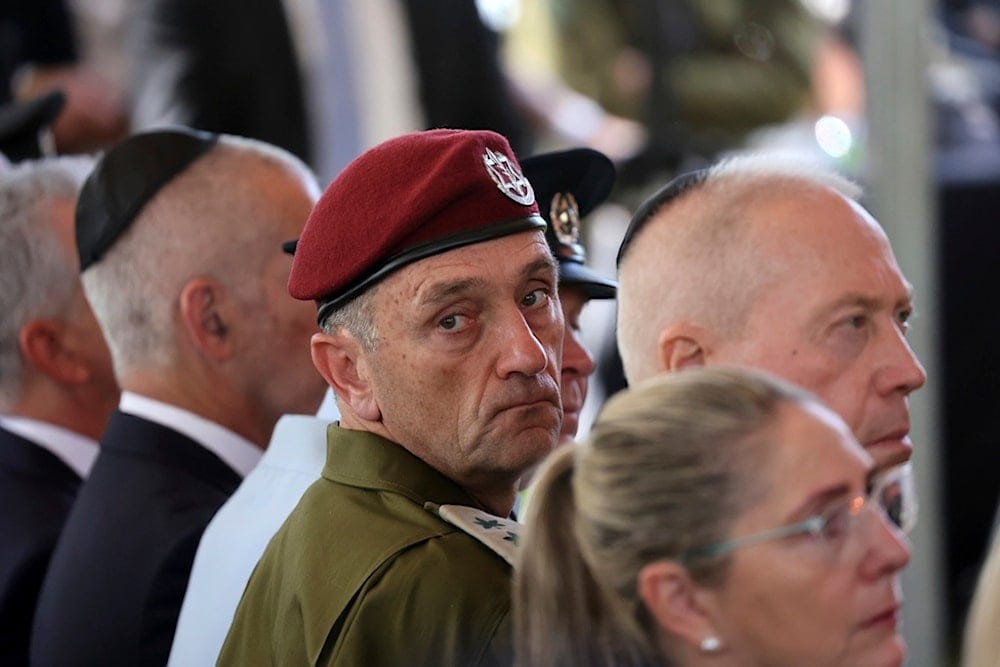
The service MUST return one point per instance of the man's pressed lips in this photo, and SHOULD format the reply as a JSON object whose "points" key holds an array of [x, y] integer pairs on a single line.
{"points": [[896, 446]]}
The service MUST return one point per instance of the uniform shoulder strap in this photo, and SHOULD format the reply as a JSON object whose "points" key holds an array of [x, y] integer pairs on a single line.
{"points": [[499, 534]]}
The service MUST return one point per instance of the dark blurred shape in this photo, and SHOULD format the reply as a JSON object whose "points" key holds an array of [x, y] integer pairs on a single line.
{"points": [[33, 32], [25, 126], [231, 66], [38, 55]]}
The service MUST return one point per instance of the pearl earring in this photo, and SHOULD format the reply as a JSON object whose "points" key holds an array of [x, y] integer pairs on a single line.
{"points": [[710, 644]]}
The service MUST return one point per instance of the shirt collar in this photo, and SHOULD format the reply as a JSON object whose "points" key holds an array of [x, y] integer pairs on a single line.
{"points": [[236, 451], [366, 460], [75, 450]]}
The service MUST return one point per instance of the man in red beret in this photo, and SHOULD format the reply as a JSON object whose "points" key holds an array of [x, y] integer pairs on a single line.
{"points": [[442, 336]]}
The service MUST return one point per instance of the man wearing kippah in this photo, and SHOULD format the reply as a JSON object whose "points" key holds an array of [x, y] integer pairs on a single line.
{"points": [[179, 234], [442, 333]]}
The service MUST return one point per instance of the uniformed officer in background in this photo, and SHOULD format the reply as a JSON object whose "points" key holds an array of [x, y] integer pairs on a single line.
{"points": [[568, 185], [442, 334]]}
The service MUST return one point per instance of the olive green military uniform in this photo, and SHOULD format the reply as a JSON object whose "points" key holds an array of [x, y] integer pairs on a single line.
{"points": [[719, 68], [362, 574]]}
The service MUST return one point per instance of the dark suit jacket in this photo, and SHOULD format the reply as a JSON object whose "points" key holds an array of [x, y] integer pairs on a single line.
{"points": [[36, 493], [117, 579], [230, 66], [221, 65]]}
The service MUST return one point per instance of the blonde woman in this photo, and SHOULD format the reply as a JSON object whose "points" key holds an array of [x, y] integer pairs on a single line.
{"points": [[982, 630], [713, 517]]}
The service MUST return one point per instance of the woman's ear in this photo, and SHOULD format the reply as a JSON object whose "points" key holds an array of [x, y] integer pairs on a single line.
{"points": [[205, 319], [676, 602], [344, 364]]}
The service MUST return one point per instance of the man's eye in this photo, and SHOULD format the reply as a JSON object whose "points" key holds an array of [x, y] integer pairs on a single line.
{"points": [[452, 322], [535, 298], [903, 319], [858, 321]]}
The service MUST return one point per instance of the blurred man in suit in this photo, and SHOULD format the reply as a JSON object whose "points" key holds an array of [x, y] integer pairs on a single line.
{"points": [[57, 388], [179, 234]]}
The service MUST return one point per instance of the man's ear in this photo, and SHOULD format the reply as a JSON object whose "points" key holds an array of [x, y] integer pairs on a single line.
{"points": [[205, 318], [42, 345], [683, 345], [343, 362], [678, 604]]}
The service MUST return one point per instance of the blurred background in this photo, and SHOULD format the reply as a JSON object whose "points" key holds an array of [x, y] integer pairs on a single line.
{"points": [[901, 95]]}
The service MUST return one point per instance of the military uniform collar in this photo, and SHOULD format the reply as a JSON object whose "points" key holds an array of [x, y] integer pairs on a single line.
{"points": [[366, 460]]}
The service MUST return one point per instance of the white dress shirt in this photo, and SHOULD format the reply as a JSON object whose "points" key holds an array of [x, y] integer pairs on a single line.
{"points": [[235, 451], [236, 537], [75, 450]]}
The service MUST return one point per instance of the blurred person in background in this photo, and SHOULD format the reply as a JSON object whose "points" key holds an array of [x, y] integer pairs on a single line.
{"points": [[40, 52], [699, 76], [981, 646], [57, 387], [179, 234], [712, 517], [568, 185], [325, 79]]}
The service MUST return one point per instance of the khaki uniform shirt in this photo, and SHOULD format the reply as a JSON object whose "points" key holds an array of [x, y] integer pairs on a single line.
{"points": [[362, 574]]}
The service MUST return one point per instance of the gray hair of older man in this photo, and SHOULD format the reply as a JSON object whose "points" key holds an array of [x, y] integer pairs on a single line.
{"points": [[38, 273]]}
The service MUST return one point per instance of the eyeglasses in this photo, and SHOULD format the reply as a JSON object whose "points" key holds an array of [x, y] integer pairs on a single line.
{"points": [[891, 492]]}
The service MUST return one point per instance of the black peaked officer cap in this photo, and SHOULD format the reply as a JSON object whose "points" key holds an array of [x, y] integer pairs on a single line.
{"points": [[126, 178], [588, 176]]}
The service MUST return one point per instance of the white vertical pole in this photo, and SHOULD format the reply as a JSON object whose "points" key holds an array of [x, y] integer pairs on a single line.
{"points": [[894, 46]]}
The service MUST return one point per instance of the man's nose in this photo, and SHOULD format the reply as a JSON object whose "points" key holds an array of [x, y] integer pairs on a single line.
{"points": [[521, 351]]}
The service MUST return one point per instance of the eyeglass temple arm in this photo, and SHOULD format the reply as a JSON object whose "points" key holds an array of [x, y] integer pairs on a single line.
{"points": [[810, 525]]}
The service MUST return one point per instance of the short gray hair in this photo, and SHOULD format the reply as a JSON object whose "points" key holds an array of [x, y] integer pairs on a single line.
{"points": [[196, 225], [688, 258], [357, 317], [38, 273]]}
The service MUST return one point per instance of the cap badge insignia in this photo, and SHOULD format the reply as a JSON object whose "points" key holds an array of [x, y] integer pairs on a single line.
{"points": [[509, 180], [565, 217]]}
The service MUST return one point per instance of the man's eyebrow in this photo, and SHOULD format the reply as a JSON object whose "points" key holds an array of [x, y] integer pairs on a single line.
{"points": [[444, 291], [542, 264], [864, 301]]}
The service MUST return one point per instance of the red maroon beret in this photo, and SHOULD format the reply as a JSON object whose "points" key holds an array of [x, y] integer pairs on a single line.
{"points": [[406, 199]]}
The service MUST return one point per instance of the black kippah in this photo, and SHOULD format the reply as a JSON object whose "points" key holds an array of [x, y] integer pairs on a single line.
{"points": [[127, 177], [668, 193]]}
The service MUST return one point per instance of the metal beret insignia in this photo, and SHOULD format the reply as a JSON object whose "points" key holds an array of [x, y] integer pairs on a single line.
{"points": [[509, 180]]}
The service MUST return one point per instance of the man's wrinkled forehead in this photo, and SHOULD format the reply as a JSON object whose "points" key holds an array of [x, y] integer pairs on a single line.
{"points": [[441, 276]]}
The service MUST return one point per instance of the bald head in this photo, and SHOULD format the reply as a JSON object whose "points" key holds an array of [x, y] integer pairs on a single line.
{"points": [[760, 264], [696, 251]]}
